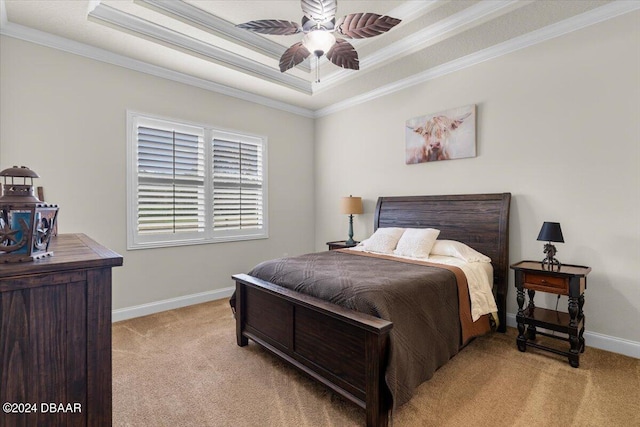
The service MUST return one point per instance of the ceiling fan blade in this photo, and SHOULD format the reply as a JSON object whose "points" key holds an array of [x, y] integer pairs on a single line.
{"points": [[293, 56], [319, 10], [344, 55], [364, 25], [274, 27]]}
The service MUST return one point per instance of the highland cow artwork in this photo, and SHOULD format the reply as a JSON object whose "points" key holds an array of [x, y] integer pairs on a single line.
{"points": [[445, 135]]}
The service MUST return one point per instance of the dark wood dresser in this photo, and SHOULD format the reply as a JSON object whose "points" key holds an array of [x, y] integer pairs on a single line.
{"points": [[55, 336]]}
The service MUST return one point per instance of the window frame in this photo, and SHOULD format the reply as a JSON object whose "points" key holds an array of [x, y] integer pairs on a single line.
{"points": [[136, 240]]}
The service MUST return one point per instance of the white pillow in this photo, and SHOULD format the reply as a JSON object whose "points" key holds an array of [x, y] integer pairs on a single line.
{"points": [[417, 242], [384, 240], [459, 250]]}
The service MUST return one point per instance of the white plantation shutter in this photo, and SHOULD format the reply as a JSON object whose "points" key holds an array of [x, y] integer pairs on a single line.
{"points": [[237, 185], [170, 181], [178, 195]]}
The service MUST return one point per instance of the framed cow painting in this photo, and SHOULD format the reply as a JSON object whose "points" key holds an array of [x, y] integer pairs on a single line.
{"points": [[446, 135]]}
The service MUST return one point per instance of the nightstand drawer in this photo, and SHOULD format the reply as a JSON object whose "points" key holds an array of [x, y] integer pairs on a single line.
{"points": [[543, 282]]}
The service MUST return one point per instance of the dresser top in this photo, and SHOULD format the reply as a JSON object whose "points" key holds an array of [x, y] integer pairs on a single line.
{"points": [[70, 252]]}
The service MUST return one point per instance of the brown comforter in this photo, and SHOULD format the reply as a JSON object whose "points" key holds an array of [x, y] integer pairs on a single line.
{"points": [[421, 300]]}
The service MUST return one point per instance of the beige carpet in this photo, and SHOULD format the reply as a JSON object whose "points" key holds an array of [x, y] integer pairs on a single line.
{"points": [[183, 368]]}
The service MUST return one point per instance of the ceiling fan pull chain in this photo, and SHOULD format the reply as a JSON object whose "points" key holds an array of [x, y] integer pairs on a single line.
{"points": [[317, 69]]}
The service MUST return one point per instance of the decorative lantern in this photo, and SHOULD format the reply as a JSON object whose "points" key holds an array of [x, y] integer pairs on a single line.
{"points": [[26, 223]]}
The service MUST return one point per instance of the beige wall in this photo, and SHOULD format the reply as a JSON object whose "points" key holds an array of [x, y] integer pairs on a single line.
{"points": [[64, 116], [557, 126]]}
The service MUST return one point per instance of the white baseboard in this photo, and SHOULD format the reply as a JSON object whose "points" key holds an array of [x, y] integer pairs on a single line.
{"points": [[601, 341], [594, 339], [169, 304]]}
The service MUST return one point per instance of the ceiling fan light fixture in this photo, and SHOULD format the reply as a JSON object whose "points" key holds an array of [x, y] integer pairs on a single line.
{"points": [[318, 41]]}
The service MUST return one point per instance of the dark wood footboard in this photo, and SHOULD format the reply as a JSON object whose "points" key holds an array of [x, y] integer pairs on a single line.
{"points": [[342, 349]]}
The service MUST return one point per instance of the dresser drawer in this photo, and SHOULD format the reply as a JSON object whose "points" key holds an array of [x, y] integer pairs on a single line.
{"points": [[543, 282]]}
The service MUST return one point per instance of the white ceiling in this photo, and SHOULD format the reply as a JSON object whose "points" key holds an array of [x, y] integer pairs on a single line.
{"points": [[196, 41]]}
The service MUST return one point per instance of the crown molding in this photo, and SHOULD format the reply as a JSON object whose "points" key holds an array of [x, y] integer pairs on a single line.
{"points": [[192, 15], [178, 9], [186, 12], [105, 14], [410, 10], [600, 14], [603, 13], [220, 27], [70, 46], [418, 40]]}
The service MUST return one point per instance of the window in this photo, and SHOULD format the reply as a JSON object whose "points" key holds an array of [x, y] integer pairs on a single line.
{"points": [[191, 184]]}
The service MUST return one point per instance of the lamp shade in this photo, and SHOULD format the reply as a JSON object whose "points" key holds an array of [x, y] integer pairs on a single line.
{"points": [[551, 232], [351, 205]]}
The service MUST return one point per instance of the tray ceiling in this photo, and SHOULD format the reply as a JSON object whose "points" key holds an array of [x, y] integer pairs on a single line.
{"points": [[196, 41]]}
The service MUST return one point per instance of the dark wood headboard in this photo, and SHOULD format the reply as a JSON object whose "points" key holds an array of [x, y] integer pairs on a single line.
{"points": [[478, 220]]}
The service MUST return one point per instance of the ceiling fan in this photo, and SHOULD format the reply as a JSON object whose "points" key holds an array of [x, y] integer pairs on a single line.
{"points": [[319, 25]]}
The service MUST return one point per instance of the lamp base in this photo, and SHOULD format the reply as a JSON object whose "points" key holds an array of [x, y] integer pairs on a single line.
{"points": [[550, 262], [350, 240]]}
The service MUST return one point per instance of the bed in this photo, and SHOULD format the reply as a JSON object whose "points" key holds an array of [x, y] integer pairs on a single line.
{"points": [[347, 350]]}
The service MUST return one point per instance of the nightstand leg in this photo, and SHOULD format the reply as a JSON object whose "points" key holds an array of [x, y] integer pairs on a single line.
{"points": [[574, 338], [531, 333], [531, 329], [521, 341], [532, 295], [584, 321], [574, 357], [580, 305], [573, 311], [520, 299]]}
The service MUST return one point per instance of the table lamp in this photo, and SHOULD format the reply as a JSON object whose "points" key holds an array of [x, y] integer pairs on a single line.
{"points": [[550, 232], [351, 206]]}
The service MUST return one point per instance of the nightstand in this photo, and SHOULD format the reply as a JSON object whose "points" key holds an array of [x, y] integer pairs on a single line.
{"points": [[340, 244], [569, 280]]}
